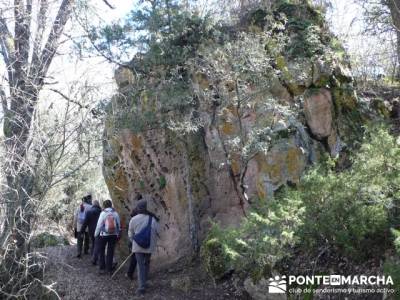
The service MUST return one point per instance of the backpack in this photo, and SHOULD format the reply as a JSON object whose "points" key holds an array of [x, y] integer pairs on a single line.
{"points": [[81, 215], [143, 237], [110, 225]]}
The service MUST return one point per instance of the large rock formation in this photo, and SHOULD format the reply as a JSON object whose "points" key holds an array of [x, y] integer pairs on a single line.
{"points": [[253, 109]]}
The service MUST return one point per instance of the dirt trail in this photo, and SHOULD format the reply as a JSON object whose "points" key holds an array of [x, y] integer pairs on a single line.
{"points": [[79, 279]]}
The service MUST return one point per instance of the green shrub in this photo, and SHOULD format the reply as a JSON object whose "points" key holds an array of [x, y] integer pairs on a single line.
{"points": [[304, 23], [264, 238], [396, 234], [217, 257], [45, 239], [351, 212], [391, 267], [162, 182]]}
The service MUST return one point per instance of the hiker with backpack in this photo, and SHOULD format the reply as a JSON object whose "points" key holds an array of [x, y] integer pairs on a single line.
{"points": [[143, 231], [82, 236], [92, 216], [107, 230]]}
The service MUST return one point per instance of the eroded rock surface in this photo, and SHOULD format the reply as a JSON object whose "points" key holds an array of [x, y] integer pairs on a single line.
{"points": [[229, 136], [318, 109]]}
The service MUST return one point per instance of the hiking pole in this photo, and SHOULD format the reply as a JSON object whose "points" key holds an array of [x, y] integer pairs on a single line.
{"points": [[119, 268]]}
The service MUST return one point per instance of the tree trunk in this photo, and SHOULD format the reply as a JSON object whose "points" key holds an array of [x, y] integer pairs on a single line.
{"points": [[394, 6], [397, 71], [27, 64], [18, 173]]}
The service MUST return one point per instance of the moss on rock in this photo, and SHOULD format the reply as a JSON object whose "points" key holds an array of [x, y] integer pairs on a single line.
{"points": [[205, 127]]}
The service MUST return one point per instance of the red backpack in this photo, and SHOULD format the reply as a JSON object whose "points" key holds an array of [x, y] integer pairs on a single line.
{"points": [[110, 225]]}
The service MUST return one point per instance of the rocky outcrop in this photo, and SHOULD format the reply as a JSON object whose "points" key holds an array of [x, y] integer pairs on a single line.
{"points": [[245, 121], [318, 109]]}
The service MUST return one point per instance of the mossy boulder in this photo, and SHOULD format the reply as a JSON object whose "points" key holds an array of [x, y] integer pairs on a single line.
{"points": [[211, 130]]}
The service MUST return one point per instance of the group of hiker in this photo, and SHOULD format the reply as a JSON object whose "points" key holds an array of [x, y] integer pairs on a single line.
{"points": [[100, 228]]}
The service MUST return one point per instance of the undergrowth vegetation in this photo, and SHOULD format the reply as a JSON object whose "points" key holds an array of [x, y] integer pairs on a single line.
{"points": [[351, 212]]}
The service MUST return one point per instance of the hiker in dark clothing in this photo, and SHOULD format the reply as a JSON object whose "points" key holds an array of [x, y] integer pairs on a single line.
{"points": [[82, 236], [144, 219], [92, 216]]}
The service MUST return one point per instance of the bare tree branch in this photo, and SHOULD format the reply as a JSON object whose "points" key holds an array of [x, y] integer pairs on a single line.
{"points": [[51, 45], [5, 36], [41, 24], [21, 36], [108, 4], [68, 98], [7, 48]]}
